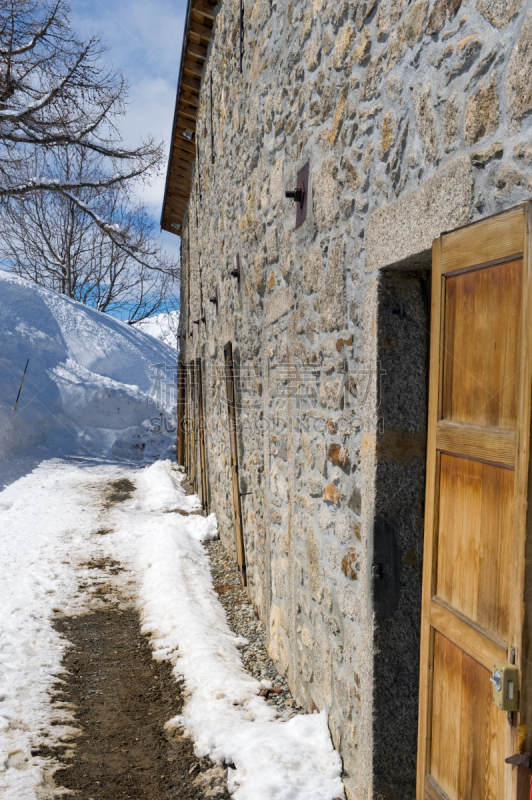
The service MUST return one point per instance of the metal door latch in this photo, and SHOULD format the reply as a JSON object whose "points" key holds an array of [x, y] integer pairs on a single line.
{"points": [[505, 680], [520, 760]]}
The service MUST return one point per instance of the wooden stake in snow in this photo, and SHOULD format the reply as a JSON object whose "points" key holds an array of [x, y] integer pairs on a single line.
{"points": [[21, 382]]}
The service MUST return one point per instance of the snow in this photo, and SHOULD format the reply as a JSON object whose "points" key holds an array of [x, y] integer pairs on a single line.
{"points": [[273, 759], [162, 326], [49, 518], [82, 421], [88, 383], [45, 540]]}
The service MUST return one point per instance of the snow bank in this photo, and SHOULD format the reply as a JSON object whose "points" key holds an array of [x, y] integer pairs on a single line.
{"points": [[162, 327], [88, 382], [273, 759]]}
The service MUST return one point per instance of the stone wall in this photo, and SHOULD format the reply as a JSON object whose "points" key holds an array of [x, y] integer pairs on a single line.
{"points": [[415, 118]]}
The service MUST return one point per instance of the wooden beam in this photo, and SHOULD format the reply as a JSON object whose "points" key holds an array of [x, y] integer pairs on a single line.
{"points": [[178, 201], [185, 123], [188, 99], [185, 146], [191, 83], [205, 8], [178, 174], [197, 29], [179, 152], [177, 211], [195, 68], [188, 114], [196, 49], [186, 170], [181, 177], [201, 18]]}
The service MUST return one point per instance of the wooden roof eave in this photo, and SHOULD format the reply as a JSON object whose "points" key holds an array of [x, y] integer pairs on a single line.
{"points": [[199, 21]]}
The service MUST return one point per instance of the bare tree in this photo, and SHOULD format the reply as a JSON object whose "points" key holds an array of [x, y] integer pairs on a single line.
{"points": [[51, 241], [56, 95]]}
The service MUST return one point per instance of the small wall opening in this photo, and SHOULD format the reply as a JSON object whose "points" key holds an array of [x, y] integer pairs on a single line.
{"points": [[403, 333]]}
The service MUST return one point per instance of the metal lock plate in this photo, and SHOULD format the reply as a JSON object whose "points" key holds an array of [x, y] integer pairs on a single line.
{"points": [[302, 183], [505, 681], [300, 194]]}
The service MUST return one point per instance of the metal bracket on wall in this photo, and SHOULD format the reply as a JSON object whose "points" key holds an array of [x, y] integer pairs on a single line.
{"points": [[214, 299], [236, 271], [300, 194]]}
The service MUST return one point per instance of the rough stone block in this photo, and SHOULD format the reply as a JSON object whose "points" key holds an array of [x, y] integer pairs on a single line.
{"points": [[407, 228], [338, 454], [499, 12], [277, 305], [482, 157], [482, 112], [334, 305], [387, 134], [313, 269], [342, 44], [441, 11], [519, 75], [426, 123], [351, 564], [331, 494], [276, 183], [323, 196]]}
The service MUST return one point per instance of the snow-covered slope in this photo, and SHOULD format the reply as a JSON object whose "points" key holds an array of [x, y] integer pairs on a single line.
{"points": [[89, 378], [162, 326]]}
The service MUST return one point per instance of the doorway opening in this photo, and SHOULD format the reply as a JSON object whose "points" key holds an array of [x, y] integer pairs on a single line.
{"points": [[403, 338]]}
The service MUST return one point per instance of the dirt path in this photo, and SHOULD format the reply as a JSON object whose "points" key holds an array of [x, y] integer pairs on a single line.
{"points": [[122, 699]]}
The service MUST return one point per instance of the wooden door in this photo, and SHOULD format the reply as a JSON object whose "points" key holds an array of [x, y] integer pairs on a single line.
{"points": [[192, 476], [181, 413], [473, 611], [201, 436], [233, 444]]}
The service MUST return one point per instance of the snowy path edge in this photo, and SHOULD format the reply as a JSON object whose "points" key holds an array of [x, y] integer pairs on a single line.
{"points": [[272, 758]]}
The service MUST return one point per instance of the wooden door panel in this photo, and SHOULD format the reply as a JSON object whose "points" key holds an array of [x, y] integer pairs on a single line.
{"points": [[475, 607], [482, 345], [468, 737], [474, 540], [488, 240]]}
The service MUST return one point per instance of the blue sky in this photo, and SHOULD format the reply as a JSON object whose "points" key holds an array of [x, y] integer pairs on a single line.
{"points": [[144, 42]]}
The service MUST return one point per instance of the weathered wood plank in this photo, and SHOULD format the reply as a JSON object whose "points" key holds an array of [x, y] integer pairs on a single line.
{"points": [[496, 445], [497, 237], [433, 791], [431, 517], [470, 637]]}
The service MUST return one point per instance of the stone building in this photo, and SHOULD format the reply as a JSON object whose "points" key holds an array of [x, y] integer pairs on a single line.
{"points": [[399, 120]]}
